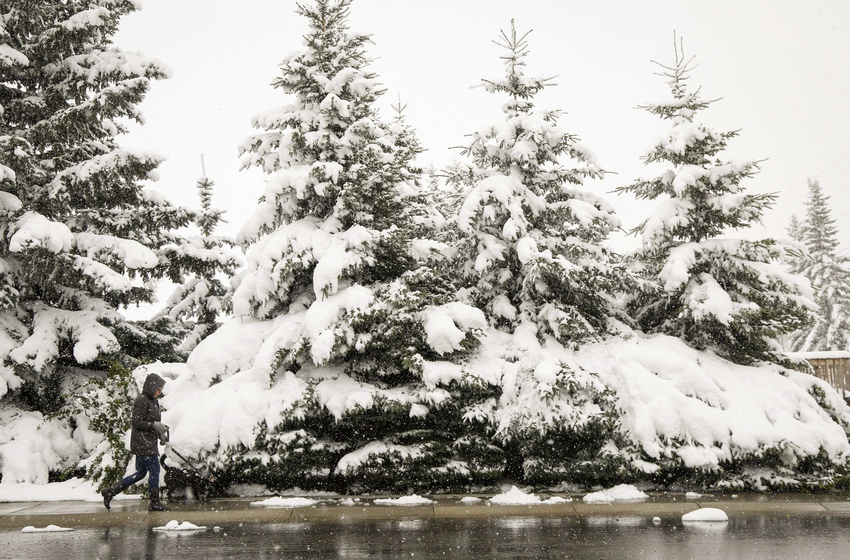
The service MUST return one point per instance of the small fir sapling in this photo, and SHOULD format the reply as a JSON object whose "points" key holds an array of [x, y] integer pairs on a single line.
{"points": [[104, 406], [199, 263]]}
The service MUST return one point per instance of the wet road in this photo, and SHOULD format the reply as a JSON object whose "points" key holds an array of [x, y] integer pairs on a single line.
{"points": [[750, 537]]}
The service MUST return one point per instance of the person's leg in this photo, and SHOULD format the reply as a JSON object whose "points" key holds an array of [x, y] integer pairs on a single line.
{"points": [[109, 493], [152, 464], [141, 471]]}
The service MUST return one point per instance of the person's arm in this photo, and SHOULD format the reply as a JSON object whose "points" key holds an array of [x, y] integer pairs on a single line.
{"points": [[142, 419]]}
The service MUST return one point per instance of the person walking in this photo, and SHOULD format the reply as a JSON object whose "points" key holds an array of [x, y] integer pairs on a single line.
{"points": [[146, 430]]}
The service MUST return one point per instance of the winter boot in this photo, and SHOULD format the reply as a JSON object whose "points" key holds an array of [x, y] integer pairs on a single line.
{"points": [[110, 493], [155, 504]]}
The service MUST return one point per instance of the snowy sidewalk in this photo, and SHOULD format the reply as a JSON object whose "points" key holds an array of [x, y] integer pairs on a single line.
{"points": [[232, 510]]}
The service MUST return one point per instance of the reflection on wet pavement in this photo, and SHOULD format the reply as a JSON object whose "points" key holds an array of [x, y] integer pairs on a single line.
{"points": [[751, 537]]}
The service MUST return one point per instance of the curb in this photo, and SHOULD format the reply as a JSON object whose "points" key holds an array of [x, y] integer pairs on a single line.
{"points": [[86, 514]]}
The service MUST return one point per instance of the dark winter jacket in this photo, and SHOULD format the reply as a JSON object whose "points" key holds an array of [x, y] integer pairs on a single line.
{"points": [[143, 437]]}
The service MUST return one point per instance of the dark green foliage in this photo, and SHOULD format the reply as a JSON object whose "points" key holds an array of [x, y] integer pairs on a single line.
{"points": [[43, 393]]}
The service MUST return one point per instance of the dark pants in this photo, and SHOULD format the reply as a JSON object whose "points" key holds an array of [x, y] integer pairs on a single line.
{"points": [[145, 464]]}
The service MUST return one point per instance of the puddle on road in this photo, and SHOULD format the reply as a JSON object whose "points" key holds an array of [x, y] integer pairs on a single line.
{"points": [[751, 537]]}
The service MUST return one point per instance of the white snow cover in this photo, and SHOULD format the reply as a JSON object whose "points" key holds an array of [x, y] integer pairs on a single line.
{"points": [[175, 525], [354, 459], [676, 401], [74, 489], [279, 502], [8, 202], [834, 355], [87, 18], [48, 529], [131, 254], [446, 325], [719, 410], [706, 514], [412, 500], [9, 56], [516, 497], [30, 447], [621, 492], [36, 231], [82, 328]]}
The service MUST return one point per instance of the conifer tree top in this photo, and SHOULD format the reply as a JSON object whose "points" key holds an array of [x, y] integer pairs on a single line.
{"points": [[706, 197], [818, 231], [515, 83]]}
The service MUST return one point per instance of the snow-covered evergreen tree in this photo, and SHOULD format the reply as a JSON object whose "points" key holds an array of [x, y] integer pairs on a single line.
{"points": [[426, 220], [795, 229], [796, 255], [530, 255], [724, 293], [829, 275], [202, 297], [79, 234], [532, 233], [361, 332]]}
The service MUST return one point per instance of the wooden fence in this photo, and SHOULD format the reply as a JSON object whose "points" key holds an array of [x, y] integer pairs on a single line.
{"points": [[835, 371]]}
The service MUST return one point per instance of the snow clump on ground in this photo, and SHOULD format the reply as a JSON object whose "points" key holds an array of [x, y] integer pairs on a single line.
{"points": [[279, 502], [48, 529], [412, 500], [175, 525], [619, 493], [516, 497], [706, 514]]}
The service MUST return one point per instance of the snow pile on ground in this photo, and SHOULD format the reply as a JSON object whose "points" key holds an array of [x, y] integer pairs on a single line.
{"points": [[71, 489], [516, 497], [175, 525], [31, 446], [412, 500], [621, 492], [48, 529], [279, 502], [706, 514], [349, 502], [470, 500], [692, 495], [678, 402]]}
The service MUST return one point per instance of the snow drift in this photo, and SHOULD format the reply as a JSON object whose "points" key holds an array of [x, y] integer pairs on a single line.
{"points": [[677, 406]]}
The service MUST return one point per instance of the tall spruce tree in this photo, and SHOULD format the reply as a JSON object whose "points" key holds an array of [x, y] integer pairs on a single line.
{"points": [[531, 247], [363, 328], [829, 275], [530, 255], [723, 293], [201, 261], [79, 234]]}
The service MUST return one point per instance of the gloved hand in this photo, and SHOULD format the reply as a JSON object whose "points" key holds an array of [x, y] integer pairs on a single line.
{"points": [[160, 428]]}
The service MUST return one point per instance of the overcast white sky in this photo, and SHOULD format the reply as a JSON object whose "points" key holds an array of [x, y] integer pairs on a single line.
{"points": [[781, 67]]}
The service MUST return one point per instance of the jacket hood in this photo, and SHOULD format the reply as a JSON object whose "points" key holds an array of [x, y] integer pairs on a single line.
{"points": [[153, 383]]}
